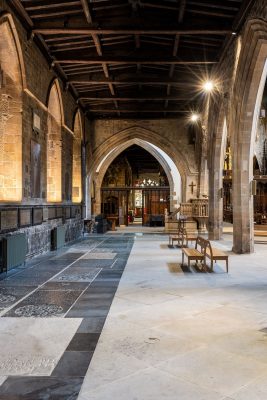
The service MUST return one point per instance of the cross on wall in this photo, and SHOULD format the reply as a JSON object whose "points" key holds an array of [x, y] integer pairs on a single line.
{"points": [[192, 185]]}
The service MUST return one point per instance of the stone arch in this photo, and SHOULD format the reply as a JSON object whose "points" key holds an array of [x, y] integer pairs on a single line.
{"points": [[98, 172], [77, 159], [12, 76], [8, 19], [248, 89], [218, 129], [54, 144], [139, 132]]}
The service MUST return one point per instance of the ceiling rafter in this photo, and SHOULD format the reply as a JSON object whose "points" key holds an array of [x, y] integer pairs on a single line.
{"points": [[133, 58], [175, 47], [131, 31], [96, 40]]}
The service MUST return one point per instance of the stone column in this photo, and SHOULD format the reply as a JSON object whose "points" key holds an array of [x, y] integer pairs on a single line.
{"points": [[97, 204], [215, 222], [243, 214]]}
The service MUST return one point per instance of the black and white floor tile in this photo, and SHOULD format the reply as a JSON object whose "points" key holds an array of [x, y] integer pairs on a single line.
{"points": [[59, 302]]}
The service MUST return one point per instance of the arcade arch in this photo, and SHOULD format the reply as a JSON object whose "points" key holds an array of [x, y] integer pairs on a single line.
{"points": [[250, 80], [76, 160], [97, 174], [54, 145], [12, 81]]}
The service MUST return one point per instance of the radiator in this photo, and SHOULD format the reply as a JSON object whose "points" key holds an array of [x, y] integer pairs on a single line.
{"points": [[14, 250], [58, 237]]}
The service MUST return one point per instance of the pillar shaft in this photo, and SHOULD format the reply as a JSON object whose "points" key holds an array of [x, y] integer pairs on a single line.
{"points": [[215, 223]]}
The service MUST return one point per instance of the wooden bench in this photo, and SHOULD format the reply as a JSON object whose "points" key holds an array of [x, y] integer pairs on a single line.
{"points": [[202, 251], [195, 254], [177, 237], [188, 237], [214, 255]]}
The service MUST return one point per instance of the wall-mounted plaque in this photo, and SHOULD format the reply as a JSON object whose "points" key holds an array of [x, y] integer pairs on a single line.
{"points": [[45, 214], [25, 217], [52, 213], [75, 212], [9, 220], [36, 122], [59, 212], [67, 212], [37, 216], [35, 169]]}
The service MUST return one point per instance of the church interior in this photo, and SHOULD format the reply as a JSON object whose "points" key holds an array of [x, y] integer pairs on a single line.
{"points": [[133, 199]]}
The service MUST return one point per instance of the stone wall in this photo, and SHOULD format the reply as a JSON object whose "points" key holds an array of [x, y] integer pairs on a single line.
{"points": [[36, 79], [39, 237]]}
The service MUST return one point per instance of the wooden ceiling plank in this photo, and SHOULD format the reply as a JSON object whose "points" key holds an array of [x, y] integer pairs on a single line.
{"points": [[175, 47], [70, 43], [132, 81], [209, 4], [49, 6], [126, 60], [65, 38], [141, 110], [208, 12], [21, 10], [134, 98], [56, 14], [131, 31], [75, 48], [87, 11]]}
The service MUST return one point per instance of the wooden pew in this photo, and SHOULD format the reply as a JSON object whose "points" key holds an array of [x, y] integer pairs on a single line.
{"points": [[195, 254], [214, 255], [177, 237]]}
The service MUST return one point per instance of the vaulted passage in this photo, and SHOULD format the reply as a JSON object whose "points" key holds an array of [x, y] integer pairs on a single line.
{"points": [[133, 199], [135, 189]]}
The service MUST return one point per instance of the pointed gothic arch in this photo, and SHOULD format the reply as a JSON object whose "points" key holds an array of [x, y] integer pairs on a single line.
{"points": [[77, 159], [250, 79], [12, 76], [96, 176], [54, 144]]}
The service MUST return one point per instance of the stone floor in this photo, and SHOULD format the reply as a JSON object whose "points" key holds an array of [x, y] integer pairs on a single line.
{"points": [[53, 311], [167, 332]]}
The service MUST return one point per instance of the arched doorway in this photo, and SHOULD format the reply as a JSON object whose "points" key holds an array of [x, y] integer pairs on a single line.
{"points": [[11, 84], [135, 189], [54, 145]]}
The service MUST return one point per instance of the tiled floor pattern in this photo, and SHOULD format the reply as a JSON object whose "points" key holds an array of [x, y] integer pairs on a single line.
{"points": [[171, 333], [178, 334], [53, 311]]}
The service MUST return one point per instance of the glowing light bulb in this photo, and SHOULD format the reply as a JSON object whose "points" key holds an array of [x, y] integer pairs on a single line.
{"points": [[208, 86], [194, 117]]}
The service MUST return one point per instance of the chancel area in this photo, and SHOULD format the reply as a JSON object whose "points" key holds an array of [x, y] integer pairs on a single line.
{"points": [[133, 199]]}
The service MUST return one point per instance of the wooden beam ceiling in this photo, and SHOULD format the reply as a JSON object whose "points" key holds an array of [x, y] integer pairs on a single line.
{"points": [[133, 58]]}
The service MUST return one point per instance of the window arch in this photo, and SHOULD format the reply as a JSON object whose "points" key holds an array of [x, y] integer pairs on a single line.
{"points": [[76, 160], [11, 83], [54, 145]]}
